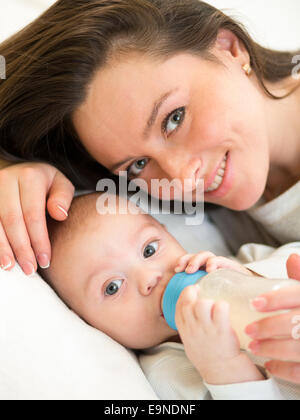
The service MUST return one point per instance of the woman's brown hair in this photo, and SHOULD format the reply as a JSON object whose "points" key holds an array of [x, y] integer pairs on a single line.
{"points": [[52, 61]]}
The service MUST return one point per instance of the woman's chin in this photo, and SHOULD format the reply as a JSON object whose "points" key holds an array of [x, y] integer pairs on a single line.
{"points": [[242, 198], [245, 201]]}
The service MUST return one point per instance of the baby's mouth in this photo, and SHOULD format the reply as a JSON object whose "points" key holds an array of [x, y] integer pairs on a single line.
{"points": [[162, 292], [161, 301]]}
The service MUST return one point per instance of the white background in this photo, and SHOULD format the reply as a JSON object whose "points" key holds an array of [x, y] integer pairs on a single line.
{"points": [[273, 23]]}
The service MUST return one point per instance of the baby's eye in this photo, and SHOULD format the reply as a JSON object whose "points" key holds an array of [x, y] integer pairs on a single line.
{"points": [[113, 287], [137, 167], [151, 249]]}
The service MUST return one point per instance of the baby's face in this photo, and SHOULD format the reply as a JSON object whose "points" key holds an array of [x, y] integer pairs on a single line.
{"points": [[114, 276]]}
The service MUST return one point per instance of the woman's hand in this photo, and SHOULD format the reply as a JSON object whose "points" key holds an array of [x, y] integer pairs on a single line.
{"points": [[25, 190], [285, 351], [209, 341], [209, 262]]}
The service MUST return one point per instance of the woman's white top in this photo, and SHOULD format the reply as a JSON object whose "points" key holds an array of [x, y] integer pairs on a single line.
{"points": [[274, 223]]}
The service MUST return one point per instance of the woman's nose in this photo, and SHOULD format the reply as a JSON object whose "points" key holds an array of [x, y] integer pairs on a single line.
{"points": [[148, 281], [185, 169]]}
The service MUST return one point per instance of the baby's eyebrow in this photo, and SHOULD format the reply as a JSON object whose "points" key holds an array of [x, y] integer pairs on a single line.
{"points": [[144, 227], [134, 234]]}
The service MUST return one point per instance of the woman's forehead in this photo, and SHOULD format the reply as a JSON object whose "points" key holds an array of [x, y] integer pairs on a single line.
{"points": [[129, 84]]}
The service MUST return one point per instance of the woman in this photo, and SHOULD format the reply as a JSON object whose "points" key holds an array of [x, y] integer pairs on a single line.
{"points": [[159, 88]]}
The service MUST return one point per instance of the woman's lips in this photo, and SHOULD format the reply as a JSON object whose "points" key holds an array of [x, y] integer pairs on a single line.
{"points": [[227, 180], [209, 179], [212, 177]]}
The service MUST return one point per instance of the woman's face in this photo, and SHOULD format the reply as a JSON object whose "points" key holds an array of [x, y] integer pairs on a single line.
{"points": [[202, 112]]}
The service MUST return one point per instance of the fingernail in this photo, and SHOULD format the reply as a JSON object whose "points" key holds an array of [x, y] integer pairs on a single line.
{"points": [[251, 330], [5, 262], [43, 261], [28, 269], [63, 210], [258, 303], [254, 346]]}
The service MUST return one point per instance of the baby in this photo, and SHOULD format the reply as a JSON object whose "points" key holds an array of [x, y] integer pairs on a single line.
{"points": [[112, 270]]}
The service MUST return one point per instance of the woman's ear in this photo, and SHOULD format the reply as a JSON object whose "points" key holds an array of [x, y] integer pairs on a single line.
{"points": [[228, 41]]}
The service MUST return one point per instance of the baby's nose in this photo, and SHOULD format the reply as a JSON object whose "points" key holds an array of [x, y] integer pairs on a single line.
{"points": [[149, 281]]}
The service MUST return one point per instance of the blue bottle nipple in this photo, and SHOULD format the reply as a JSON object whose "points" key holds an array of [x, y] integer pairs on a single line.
{"points": [[173, 290]]}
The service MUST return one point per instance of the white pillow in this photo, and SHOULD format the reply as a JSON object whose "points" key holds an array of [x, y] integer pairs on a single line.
{"points": [[47, 352]]}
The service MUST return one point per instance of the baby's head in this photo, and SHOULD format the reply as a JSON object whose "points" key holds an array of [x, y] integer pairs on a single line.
{"points": [[112, 270]]}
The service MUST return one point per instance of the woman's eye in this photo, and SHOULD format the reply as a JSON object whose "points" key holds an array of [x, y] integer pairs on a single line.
{"points": [[113, 287], [137, 167], [151, 249], [173, 121]]}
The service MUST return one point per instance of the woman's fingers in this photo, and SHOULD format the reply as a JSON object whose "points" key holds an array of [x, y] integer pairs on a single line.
{"points": [[285, 325], [288, 371], [293, 266], [285, 298], [23, 230], [14, 226], [34, 212], [7, 259], [285, 349], [60, 197]]}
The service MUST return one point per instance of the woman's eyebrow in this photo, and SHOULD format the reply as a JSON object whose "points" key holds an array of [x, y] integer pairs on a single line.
{"points": [[156, 106], [122, 162], [151, 121]]}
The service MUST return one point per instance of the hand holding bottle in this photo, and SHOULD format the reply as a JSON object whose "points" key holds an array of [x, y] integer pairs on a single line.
{"points": [[205, 328], [285, 352]]}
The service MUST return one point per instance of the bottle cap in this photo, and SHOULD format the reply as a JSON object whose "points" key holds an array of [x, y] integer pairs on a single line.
{"points": [[173, 290]]}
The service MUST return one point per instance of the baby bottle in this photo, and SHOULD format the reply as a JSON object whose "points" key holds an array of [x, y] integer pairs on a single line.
{"points": [[236, 288]]}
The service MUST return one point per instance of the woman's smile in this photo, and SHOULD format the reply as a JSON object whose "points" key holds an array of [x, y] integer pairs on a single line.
{"points": [[223, 180], [217, 176]]}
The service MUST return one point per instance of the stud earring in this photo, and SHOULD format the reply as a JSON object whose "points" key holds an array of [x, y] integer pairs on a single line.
{"points": [[247, 68]]}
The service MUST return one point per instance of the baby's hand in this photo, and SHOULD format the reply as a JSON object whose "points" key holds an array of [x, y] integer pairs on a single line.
{"points": [[208, 261], [209, 342], [204, 327]]}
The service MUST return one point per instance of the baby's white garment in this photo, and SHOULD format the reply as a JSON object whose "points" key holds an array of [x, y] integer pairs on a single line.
{"points": [[173, 376]]}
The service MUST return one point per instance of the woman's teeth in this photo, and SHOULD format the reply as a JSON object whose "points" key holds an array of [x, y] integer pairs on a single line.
{"points": [[219, 177]]}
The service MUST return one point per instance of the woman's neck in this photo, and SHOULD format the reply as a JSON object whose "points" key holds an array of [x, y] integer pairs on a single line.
{"points": [[278, 182], [283, 125]]}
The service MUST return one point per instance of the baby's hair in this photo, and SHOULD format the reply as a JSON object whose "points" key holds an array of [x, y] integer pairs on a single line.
{"points": [[82, 211]]}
